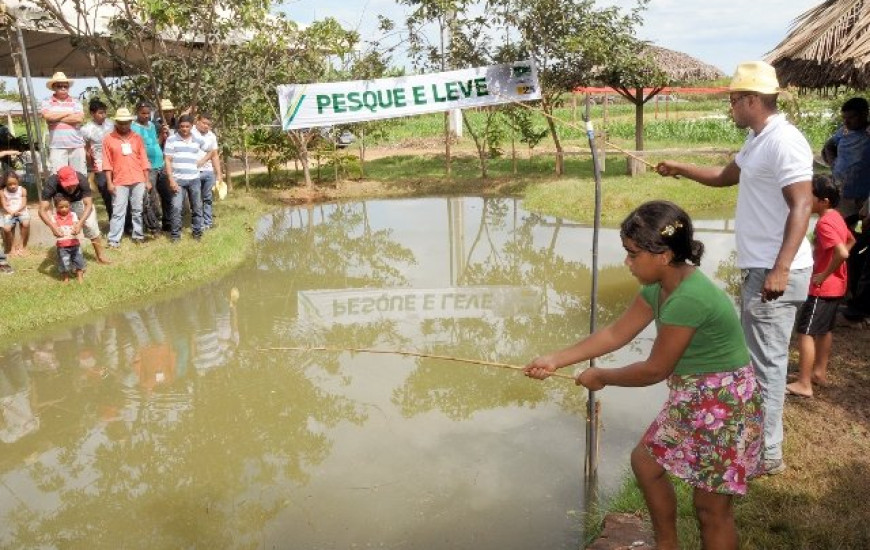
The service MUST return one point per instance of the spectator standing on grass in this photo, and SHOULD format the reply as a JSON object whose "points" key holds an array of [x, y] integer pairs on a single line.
{"points": [[166, 122], [94, 133], [64, 115], [75, 188], [69, 250], [147, 130], [847, 152], [817, 317], [773, 170], [182, 151], [126, 165], [209, 166]]}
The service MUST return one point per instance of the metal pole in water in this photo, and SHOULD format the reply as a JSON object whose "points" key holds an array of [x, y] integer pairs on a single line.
{"points": [[591, 466]]}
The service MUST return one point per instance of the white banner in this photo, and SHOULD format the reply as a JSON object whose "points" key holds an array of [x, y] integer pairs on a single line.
{"points": [[316, 105], [367, 305]]}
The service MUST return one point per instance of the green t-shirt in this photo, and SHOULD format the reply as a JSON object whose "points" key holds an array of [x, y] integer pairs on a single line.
{"points": [[718, 344]]}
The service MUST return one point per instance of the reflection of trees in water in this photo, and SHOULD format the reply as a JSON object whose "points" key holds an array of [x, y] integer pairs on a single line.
{"points": [[198, 455], [340, 246], [319, 247], [564, 287], [728, 272]]}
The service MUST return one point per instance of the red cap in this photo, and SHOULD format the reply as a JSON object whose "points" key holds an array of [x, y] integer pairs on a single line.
{"points": [[68, 176]]}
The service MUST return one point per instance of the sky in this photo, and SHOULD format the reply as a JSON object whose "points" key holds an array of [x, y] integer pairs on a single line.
{"points": [[719, 33]]}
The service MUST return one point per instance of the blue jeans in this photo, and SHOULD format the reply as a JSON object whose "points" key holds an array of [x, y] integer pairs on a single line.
{"points": [[768, 327], [206, 181], [123, 193], [192, 189]]}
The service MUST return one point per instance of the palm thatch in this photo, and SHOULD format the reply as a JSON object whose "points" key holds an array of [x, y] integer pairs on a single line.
{"points": [[679, 67], [828, 45]]}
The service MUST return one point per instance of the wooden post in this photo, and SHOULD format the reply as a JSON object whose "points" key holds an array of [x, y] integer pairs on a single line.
{"points": [[574, 106], [601, 146], [245, 158]]}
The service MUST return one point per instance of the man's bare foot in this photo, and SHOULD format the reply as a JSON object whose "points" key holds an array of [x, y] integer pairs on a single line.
{"points": [[103, 261], [23, 252], [798, 390]]}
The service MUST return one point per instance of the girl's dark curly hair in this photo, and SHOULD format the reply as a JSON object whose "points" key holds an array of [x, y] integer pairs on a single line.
{"points": [[659, 226]]}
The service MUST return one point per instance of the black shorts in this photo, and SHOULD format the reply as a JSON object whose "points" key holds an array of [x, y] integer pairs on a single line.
{"points": [[818, 315]]}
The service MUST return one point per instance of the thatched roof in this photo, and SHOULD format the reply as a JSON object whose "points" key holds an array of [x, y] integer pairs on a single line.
{"points": [[680, 67], [828, 45]]}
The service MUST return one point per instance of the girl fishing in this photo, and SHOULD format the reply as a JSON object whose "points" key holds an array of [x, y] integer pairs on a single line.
{"points": [[709, 432]]}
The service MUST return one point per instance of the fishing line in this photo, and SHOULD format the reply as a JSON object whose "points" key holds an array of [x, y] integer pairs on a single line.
{"points": [[575, 127], [412, 354]]}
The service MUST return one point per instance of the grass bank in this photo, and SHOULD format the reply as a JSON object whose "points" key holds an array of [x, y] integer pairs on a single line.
{"points": [[34, 296], [819, 502]]}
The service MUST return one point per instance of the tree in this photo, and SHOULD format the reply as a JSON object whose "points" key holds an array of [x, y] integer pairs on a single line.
{"points": [[221, 56], [572, 42], [440, 55], [635, 69]]}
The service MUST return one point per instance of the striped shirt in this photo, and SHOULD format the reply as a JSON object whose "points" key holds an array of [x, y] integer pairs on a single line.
{"points": [[209, 144], [61, 134], [184, 154], [95, 134]]}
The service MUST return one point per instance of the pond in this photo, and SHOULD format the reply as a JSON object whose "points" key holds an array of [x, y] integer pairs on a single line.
{"points": [[176, 423]]}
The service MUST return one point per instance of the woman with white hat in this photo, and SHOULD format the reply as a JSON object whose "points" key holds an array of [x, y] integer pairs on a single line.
{"points": [[64, 116]]}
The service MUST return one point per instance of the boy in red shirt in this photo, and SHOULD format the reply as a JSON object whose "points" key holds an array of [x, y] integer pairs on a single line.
{"points": [[69, 250], [817, 317]]}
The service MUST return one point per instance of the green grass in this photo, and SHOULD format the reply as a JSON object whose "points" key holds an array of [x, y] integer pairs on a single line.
{"points": [[34, 296]]}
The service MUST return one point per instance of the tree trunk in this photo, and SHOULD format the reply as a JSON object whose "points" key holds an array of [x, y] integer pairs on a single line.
{"points": [[637, 167], [560, 159], [447, 158], [362, 154], [479, 144]]}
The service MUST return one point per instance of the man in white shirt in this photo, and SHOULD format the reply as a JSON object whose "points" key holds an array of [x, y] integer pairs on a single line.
{"points": [[209, 166], [774, 171]]}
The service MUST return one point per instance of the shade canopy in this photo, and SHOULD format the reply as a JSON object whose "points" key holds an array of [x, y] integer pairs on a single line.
{"points": [[54, 46], [828, 45]]}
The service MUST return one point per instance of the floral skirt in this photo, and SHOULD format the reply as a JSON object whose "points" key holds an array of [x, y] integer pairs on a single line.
{"points": [[710, 431]]}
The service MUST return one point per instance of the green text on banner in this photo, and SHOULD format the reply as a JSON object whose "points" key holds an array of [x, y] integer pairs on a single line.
{"points": [[329, 104]]}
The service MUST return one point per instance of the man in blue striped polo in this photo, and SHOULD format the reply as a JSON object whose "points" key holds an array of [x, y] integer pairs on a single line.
{"points": [[182, 151]]}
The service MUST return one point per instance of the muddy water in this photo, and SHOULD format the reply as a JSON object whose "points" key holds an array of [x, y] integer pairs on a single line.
{"points": [[172, 424]]}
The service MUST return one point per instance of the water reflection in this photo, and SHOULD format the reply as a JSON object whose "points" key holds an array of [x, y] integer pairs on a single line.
{"points": [[165, 425]]}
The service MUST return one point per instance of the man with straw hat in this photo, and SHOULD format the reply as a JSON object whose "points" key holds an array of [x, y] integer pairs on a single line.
{"points": [[64, 116], [774, 169], [127, 169]]}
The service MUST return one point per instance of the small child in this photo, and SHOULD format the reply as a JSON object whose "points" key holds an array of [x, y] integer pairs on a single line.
{"points": [[69, 251], [709, 432], [13, 199], [817, 318]]}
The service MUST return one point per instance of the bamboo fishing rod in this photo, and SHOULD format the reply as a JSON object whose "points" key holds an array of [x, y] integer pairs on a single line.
{"points": [[411, 354]]}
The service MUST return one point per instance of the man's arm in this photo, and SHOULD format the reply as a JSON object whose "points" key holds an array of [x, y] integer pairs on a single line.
{"points": [[829, 151], [73, 118], [711, 176], [52, 116], [173, 186], [45, 216], [798, 196]]}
